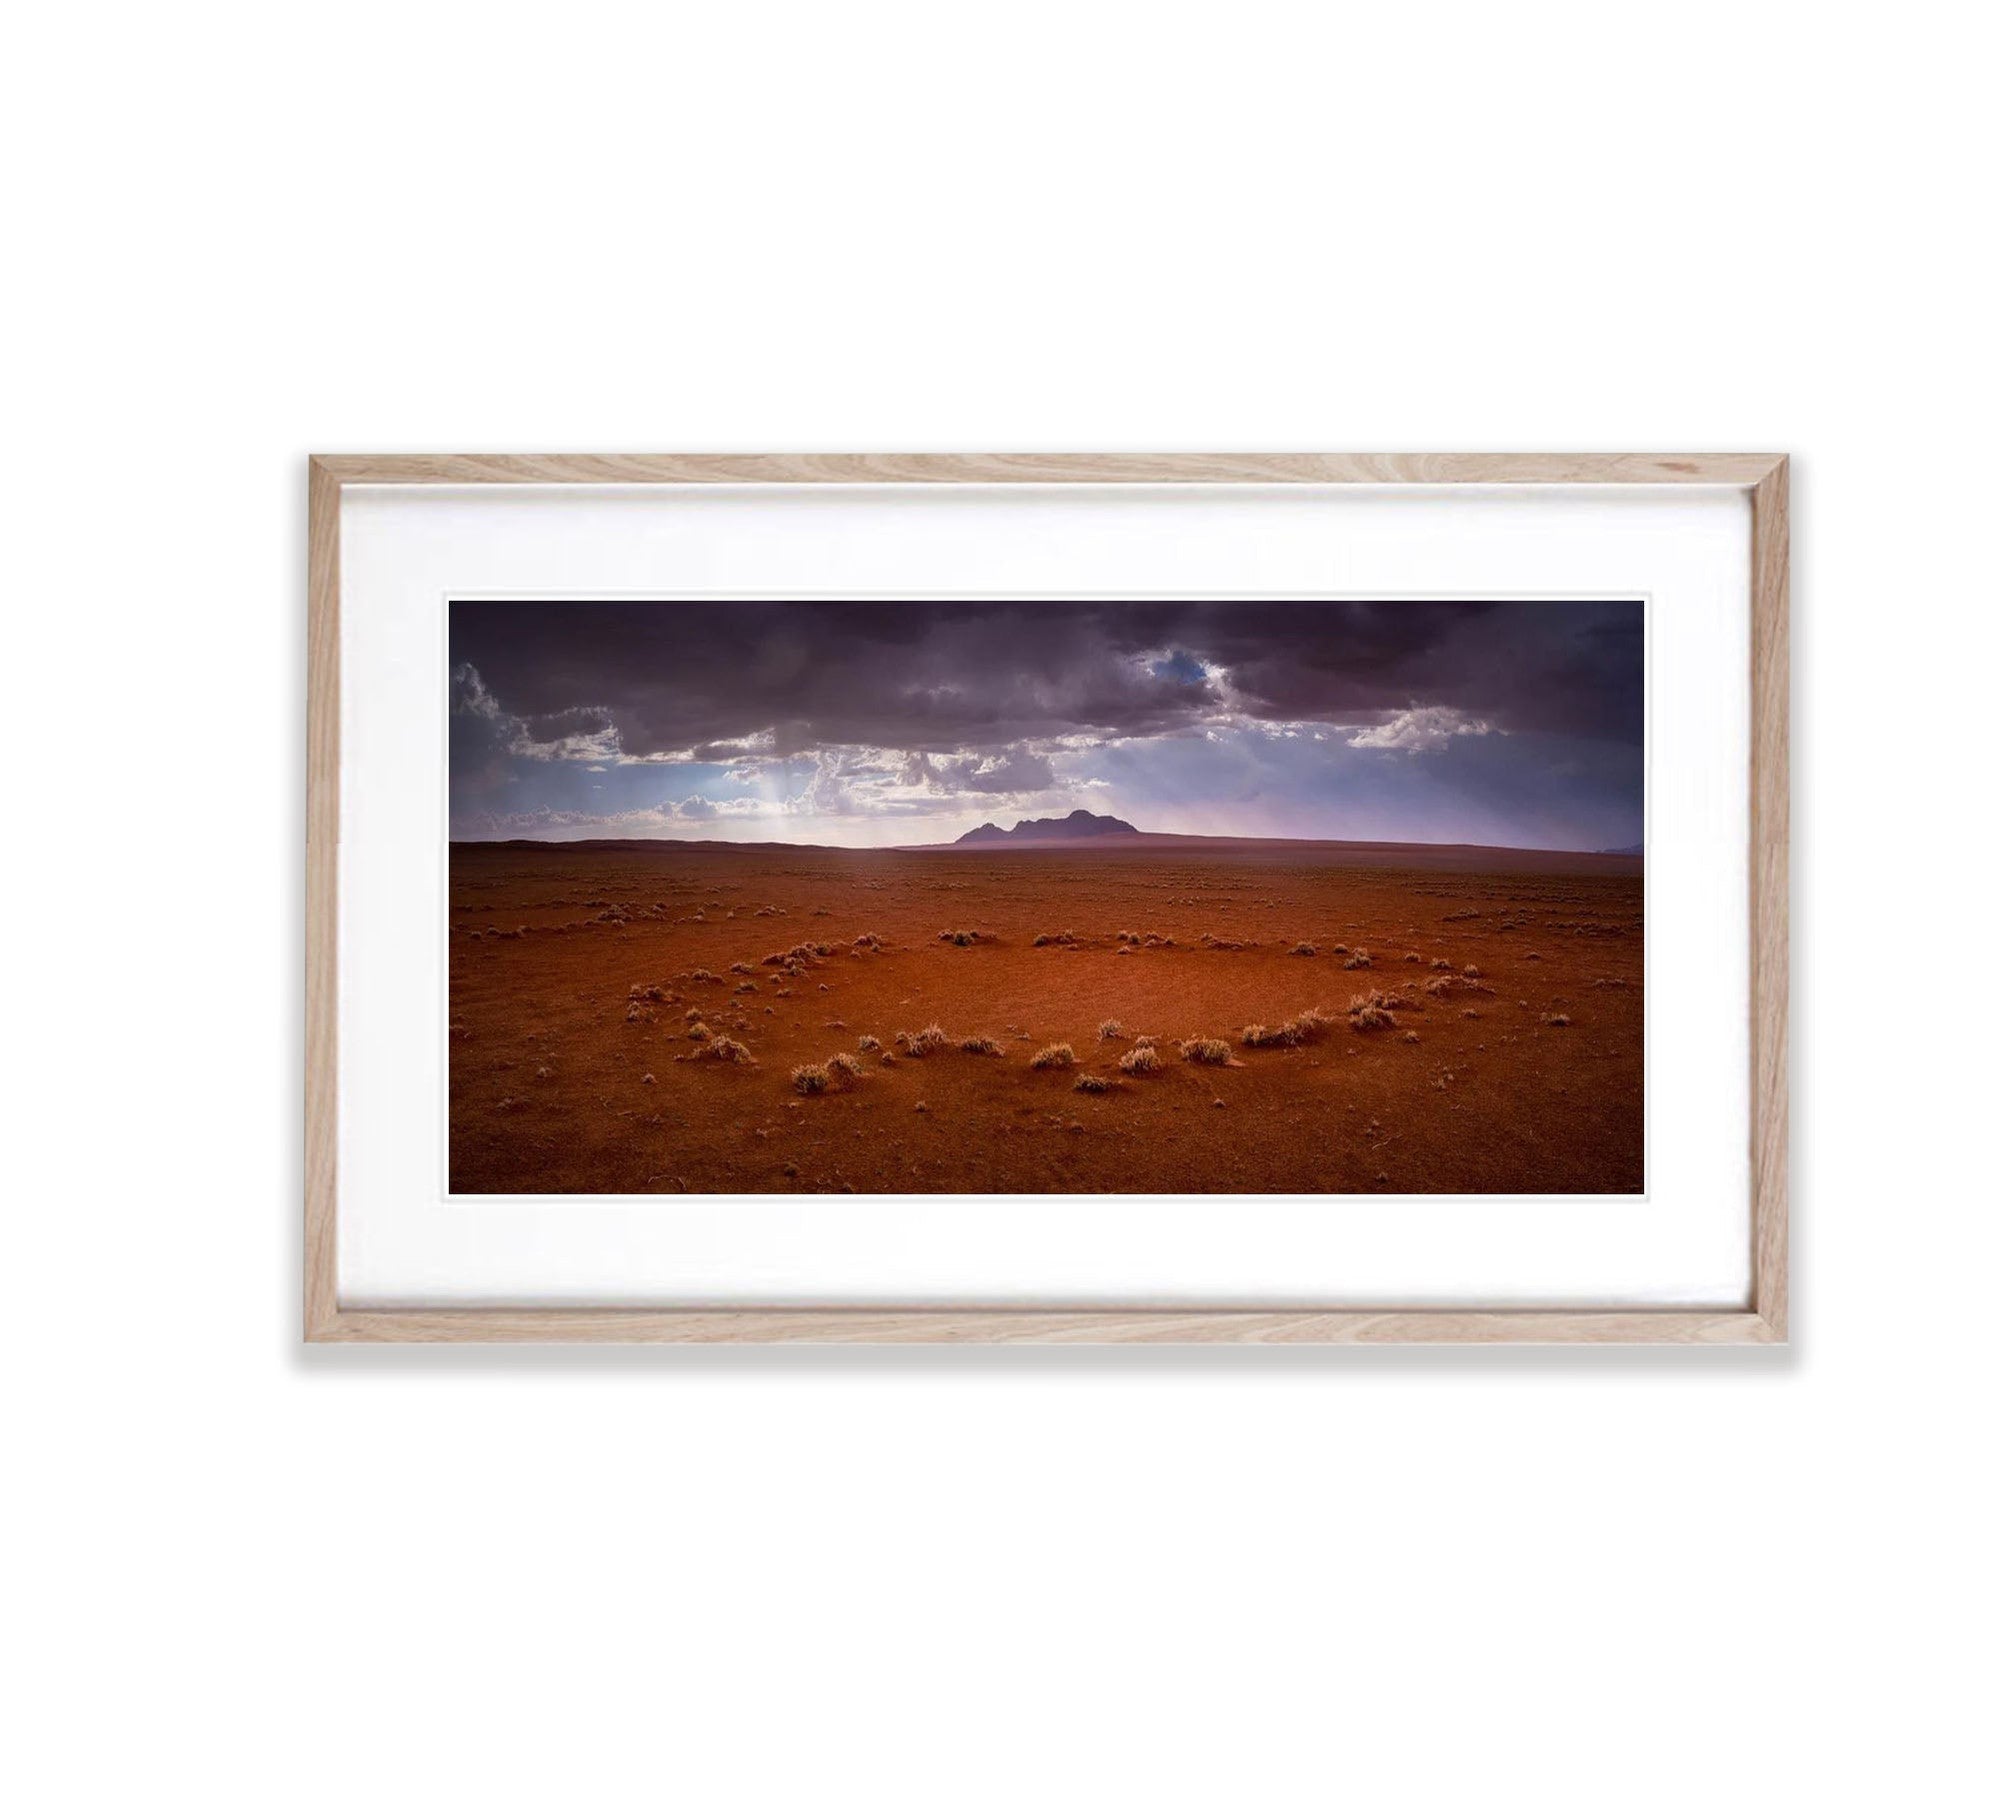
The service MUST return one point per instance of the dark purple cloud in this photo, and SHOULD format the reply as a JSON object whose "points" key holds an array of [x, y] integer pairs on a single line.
{"points": [[949, 677]]}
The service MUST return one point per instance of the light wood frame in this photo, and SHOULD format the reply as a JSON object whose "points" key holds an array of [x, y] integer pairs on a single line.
{"points": [[1765, 478]]}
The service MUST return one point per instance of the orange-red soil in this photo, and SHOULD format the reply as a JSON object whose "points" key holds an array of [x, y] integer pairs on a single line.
{"points": [[550, 1055]]}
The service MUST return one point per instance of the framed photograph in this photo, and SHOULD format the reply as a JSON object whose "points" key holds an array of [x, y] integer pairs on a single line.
{"points": [[1047, 899]]}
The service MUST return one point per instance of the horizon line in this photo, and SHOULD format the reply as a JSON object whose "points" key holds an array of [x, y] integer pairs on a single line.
{"points": [[1045, 843]]}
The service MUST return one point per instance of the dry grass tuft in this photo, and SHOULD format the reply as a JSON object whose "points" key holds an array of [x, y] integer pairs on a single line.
{"points": [[963, 939], [1141, 1059], [932, 1036], [697, 1030], [1109, 1029], [1210, 1051], [1304, 949], [842, 1070], [1438, 963], [1054, 1055], [868, 940], [1307, 1027], [1370, 1012], [868, 1043], [980, 1046], [1092, 1083], [1554, 1018], [809, 1077], [1058, 939], [1473, 972], [727, 1049], [1358, 959]]}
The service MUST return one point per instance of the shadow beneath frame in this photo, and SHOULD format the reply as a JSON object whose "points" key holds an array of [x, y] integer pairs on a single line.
{"points": [[1003, 1362]]}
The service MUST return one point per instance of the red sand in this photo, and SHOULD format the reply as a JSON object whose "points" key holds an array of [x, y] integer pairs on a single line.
{"points": [[548, 1087]]}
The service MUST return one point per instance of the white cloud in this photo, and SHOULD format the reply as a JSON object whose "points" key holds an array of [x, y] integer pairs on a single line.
{"points": [[1419, 729]]}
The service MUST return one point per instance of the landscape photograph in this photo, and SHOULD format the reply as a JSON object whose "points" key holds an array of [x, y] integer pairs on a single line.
{"points": [[1094, 896]]}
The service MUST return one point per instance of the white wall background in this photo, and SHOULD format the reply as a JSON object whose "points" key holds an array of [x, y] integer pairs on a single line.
{"points": [[242, 233]]}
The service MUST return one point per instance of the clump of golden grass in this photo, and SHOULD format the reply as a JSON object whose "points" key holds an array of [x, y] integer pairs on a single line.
{"points": [[1304, 949], [809, 1077], [1358, 959], [697, 1030], [932, 1036], [867, 1043], [1438, 962], [980, 1046], [842, 1070], [868, 940], [798, 959], [963, 939], [1554, 1018], [1108, 1029], [698, 974], [741, 968], [1307, 1027], [1140, 1059], [1370, 1011], [1092, 1083], [1060, 939], [726, 1049], [1340, 949], [1473, 972], [1411, 956], [1053, 1055], [1211, 1051], [1533, 955], [888, 1058], [649, 991], [1411, 1037]]}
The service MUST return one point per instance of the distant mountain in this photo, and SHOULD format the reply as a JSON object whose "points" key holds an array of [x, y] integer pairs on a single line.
{"points": [[1052, 830]]}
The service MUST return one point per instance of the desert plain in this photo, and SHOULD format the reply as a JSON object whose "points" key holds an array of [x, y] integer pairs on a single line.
{"points": [[662, 1018]]}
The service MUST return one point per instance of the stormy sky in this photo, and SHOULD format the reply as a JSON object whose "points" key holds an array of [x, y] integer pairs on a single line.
{"points": [[909, 721]]}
